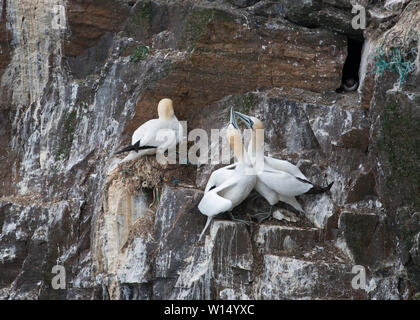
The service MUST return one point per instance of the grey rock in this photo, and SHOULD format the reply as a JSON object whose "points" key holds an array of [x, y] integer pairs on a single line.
{"points": [[366, 238], [67, 106], [297, 279], [289, 244], [270, 239], [243, 3], [415, 250], [177, 220], [331, 15], [223, 266]]}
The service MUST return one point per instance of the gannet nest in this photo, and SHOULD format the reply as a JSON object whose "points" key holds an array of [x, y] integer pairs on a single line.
{"points": [[141, 173]]}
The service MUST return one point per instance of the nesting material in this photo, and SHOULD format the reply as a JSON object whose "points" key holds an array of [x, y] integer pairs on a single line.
{"points": [[136, 174]]}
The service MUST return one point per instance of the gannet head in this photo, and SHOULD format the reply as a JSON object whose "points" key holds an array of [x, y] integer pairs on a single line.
{"points": [[233, 135], [232, 128], [250, 122], [350, 82], [165, 109], [232, 120]]}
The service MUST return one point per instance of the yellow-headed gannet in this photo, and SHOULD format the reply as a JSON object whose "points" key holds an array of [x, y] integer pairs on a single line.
{"points": [[229, 186], [151, 135], [279, 180]]}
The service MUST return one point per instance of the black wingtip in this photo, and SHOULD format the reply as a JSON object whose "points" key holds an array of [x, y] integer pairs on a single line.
{"points": [[135, 147], [318, 189], [124, 150]]}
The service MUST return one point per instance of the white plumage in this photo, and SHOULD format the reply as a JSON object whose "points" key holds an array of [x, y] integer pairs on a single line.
{"points": [[228, 186], [161, 133], [279, 180]]}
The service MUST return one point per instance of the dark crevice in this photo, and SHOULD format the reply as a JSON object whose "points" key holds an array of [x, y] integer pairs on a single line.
{"points": [[350, 76]]}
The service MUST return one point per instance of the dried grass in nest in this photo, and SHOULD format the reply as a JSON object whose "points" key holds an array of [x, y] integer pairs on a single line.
{"points": [[145, 172]]}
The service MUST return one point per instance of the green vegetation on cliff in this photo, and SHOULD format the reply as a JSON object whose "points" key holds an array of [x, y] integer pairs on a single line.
{"points": [[143, 14], [400, 142], [70, 119], [197, 24]]}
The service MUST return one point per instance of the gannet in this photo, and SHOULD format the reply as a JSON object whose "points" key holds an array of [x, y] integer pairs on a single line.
{"points": [[151, 135], [350, 85], [229, 186], [279, 180]]}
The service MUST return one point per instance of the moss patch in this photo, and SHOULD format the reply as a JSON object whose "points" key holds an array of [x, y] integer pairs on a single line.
{"points": [[247, 102], [143, 14], [139, 53], [407, 226], [197, 24], [69, 125], [243, 103], [160, 73], [400, 142]]}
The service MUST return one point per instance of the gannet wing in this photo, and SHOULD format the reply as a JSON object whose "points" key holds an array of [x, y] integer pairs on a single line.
{"points": [[139, 133], [146, 132], [209, 218], [148, 137], [273, 197], [291, 201], [211, 183], [156, 132], [179, 130], [284, 183], [283, 165], [212, 203], [217, 175], [267, 193]]}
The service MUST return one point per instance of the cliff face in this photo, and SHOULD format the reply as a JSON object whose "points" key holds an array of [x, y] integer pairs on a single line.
{"points": [[78, 77]]}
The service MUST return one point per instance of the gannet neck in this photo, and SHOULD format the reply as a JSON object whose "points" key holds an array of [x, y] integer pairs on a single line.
{"points": [[238, 149], [257, 141], [256, 145], [235, 142], [166, 109]]}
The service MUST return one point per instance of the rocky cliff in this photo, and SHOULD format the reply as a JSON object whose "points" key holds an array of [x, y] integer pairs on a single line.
{"points": [[78, 77]]}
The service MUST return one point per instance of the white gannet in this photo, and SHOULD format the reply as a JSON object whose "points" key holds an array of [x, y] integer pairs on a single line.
{"points": [[150, 135], [279, 180], [228, 186]]}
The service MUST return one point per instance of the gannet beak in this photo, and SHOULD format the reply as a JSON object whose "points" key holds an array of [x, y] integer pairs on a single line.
{"points": [[232, 120], [247, 120]]}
